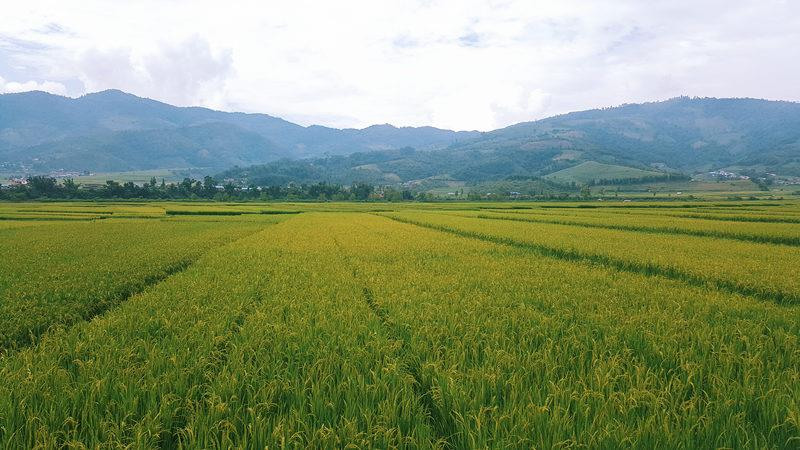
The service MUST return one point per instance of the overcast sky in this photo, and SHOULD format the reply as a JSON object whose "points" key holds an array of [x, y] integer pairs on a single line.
{"points": [[456, 64]]}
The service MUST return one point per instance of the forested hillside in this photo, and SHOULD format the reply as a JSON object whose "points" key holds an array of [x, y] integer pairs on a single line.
{"points": [[114, 131], [682, 135]]}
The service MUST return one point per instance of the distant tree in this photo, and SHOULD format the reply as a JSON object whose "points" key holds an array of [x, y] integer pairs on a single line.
{"points": [[43, 186], [209, 186], [362, 191], [70, 188], [112, 189]]}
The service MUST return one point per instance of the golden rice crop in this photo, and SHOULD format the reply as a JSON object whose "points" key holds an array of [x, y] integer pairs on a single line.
{"points": [[520, 350], [415, 326], [62, 273], [772, 233], [746, 267], [261, 341]]}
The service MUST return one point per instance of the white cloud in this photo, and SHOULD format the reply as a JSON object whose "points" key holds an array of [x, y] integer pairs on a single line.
{"points": [[461, 64], [8, 87], [185, 73]]}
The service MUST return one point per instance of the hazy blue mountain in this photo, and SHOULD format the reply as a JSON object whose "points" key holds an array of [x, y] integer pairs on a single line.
{"points": [[685, 135], [115, 131], [212, 145]]}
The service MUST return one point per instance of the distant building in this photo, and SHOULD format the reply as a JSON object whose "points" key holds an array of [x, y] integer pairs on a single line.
{"points": [[725, 175]]}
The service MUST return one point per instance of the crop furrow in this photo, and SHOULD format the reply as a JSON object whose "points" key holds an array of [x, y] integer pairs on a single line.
{"points": [[31, 337], [790, 241], [441, 421], [756, 219], [22, 338], [781, 298], [224, 344]]}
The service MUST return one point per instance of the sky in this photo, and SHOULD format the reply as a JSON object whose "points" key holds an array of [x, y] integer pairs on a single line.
{"points": [[456, 64]]}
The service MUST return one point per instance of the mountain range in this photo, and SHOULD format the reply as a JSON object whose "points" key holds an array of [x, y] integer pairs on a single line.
{"points": [[682, 135], [113, 131]]}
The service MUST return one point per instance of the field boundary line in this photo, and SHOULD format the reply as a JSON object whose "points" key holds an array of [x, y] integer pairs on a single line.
{"points": [[789, 241], [778, 297], [738, 219], [706, 215], [54, 219], [441, 424]]}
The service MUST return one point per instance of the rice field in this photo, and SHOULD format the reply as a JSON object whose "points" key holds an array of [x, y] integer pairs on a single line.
{"points": [[360, 325]]}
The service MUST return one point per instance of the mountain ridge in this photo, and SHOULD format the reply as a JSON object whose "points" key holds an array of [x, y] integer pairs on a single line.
{"points": [[679, 135], [33, 121], [115, 131]]}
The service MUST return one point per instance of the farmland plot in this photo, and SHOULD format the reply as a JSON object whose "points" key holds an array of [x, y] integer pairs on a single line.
{"points": [[412, 326]]}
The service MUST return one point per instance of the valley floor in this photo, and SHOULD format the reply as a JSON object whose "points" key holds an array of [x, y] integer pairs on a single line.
{"points": [[452, 325]]}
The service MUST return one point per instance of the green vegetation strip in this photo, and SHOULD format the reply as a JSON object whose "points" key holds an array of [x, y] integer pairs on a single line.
{"points": [[777, 216], [743, 218], [61, 211], [54, 218], [696, 205], [213, 212], [207, 212], [278, 211]]}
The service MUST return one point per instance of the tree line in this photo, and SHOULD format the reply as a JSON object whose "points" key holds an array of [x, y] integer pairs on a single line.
{"points": [[638, 180], [43, 187]]}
